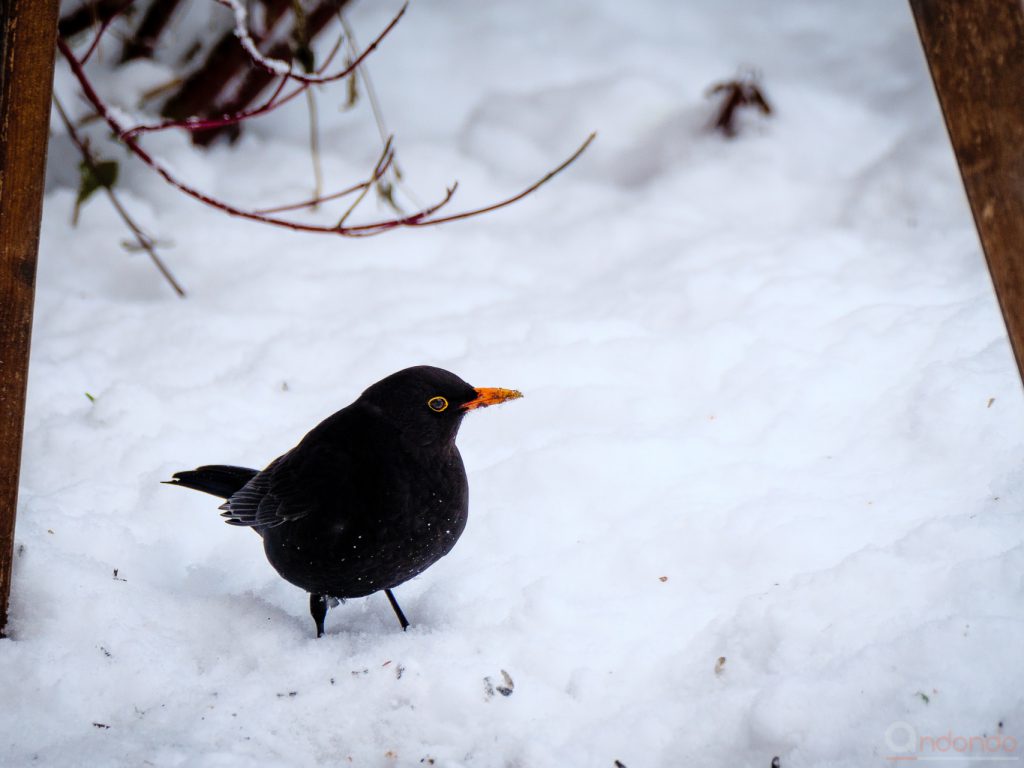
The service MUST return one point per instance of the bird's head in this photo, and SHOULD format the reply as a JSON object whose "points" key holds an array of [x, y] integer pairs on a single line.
{"points": [[427, 404]]}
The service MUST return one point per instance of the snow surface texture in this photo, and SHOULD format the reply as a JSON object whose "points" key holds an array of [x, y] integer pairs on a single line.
{"points": [[771, 415]]}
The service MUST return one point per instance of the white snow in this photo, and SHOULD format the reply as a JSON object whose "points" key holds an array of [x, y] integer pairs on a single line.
{"points": [[771, 415]]}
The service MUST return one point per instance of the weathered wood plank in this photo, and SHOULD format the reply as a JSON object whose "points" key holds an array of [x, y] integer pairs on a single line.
{"points": [[27, 34], [975, 50]]}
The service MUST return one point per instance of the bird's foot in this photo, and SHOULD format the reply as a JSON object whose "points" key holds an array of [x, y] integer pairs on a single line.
{"points": [[318, 605], [398, 611]]}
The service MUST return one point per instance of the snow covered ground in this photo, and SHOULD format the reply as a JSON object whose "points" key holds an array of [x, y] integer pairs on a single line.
{"points": [[763, 495]]}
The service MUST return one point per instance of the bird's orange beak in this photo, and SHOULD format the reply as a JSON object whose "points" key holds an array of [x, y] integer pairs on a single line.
{"points": [[491, 396]]}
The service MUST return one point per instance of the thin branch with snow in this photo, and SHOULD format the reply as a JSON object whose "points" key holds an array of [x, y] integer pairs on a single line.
{"points": [[224, 121], [287, 68]]}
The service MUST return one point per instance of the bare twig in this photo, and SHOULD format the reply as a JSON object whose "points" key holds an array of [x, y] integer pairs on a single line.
{"points": [[312, 203], [515, 198], [383, 162], [314, 146], [104, 24], [363, 73], [303, 53], [145, 242]]}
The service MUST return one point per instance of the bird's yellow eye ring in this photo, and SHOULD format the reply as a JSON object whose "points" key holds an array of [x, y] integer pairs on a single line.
{"points": [[437, 403]]}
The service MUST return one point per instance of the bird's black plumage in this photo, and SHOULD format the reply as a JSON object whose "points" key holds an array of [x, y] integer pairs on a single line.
{"points": [[369, 498]]}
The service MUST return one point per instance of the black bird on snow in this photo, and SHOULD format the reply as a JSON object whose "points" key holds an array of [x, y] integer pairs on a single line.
{"points": [[371, 497]]}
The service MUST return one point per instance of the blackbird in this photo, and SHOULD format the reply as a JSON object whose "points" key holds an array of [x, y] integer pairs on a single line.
{"points": [[369, 498]]}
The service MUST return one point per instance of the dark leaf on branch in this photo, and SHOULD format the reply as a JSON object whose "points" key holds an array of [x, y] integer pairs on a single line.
{"points": [[304, 55], [93, 176]]}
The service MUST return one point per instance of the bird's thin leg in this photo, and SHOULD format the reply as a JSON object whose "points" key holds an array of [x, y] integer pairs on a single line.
{"points": [[318, 609], [398, 611]]}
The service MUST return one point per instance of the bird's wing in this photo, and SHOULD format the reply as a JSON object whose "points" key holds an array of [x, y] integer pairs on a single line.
{"points": [[272, 497]]}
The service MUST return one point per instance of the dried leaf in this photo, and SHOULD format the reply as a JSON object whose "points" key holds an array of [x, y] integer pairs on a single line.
{"points": [[386, 192], [351, 91]]}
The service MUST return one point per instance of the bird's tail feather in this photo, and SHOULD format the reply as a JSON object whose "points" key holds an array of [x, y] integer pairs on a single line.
{"points": [[216, 479]]}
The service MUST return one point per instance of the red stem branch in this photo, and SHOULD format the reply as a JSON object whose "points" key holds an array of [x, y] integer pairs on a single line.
{"points": [[515, 198], [418, 219], [199, 123]]}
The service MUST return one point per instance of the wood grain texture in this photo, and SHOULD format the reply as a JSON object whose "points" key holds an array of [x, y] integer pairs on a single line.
{"points": [[975, 50], [27, 33]]}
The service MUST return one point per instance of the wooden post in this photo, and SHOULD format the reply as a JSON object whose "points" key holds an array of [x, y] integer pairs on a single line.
{"points": [[27, 36], [975, 50]]}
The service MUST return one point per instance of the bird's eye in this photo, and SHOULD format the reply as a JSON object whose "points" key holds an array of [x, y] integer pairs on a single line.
{"points": [[437, 403]]}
